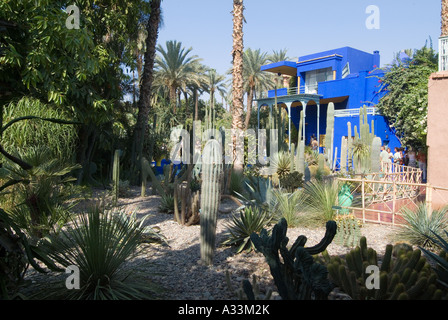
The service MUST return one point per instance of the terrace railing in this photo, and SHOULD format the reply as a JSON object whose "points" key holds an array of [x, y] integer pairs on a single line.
{"points": [[379, 197]]}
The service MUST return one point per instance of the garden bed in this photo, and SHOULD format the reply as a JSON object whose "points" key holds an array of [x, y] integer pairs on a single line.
{"points": [[176, 266]]}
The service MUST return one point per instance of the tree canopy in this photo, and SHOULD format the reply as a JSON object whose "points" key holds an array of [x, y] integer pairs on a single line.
{"points": [[405, 103]]}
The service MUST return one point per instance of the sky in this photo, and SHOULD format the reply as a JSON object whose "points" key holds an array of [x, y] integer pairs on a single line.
{"points": [[300, 27]]}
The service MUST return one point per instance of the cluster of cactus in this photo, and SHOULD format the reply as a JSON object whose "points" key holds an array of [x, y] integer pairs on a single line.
{"points": [[361, 151], [349, 230], [210, 198], [296, 275], [404, 276], [188, 213], [248, 290]]}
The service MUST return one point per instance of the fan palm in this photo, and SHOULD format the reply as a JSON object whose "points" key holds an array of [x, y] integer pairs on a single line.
{"points": [[278, 56], [254, 77], [39, 195], [215, 84], [175, 68]]}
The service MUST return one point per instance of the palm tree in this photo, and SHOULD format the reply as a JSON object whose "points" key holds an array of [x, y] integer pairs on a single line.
{"points": [[237, 74], [198, 86], [144, 103], [444, 16], [254, 77], [215, 84], [175, 68], [277, 56]]}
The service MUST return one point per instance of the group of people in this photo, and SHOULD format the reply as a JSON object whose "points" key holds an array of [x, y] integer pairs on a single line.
{"points": [[404, 157]]}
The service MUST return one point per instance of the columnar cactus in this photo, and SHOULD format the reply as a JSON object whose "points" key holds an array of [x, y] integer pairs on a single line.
{"points": [[349, 146], [375, 150], [210, 196], [344, 149], [116, 177], [145, 168], [300, 159], [329, 135]]}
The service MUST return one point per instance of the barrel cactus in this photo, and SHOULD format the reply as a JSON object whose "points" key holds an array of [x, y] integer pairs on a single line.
{"points": [[210, 194]]}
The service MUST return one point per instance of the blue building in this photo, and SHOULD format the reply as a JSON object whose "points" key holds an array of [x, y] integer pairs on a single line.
{"points": [[347, 77]]}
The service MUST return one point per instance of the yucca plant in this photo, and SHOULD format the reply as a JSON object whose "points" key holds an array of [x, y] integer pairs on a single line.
{"points": [[321, 196], [419, 225], [287, 205], [250, 219], [99, 243]]}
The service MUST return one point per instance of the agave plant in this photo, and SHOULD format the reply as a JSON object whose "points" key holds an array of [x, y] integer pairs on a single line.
{"points": [[249, 220], [257, 190], [99, 243], [420, 225]]}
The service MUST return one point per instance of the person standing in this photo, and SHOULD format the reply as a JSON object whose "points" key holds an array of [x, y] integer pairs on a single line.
{"points": [[385, 160], [421, 158], [412, 158]]}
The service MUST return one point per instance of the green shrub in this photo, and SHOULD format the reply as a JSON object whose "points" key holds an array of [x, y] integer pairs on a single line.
{"points": [[292, 181]]}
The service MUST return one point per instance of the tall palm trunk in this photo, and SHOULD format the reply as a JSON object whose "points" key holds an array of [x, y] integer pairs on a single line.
{"points": [[250, 100], [144, 103], [237, 74], [444, 16]]}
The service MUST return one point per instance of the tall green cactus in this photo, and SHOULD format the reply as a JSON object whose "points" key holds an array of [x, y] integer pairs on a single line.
{"points": [[210, 196], [145, 168], [116, 177], [329, 135], [375, 150], [344, 149], [300, 158], [349, 146]]}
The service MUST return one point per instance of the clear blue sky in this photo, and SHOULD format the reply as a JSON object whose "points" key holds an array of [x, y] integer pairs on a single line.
{"points": [[301, 27]]}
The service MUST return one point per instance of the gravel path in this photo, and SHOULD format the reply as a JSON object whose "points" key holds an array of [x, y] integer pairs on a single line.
{"points": [[176, 267]]}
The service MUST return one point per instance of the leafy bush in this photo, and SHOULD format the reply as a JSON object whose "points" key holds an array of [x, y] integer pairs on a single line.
{"points": [[292, 181], [419, 226]]}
